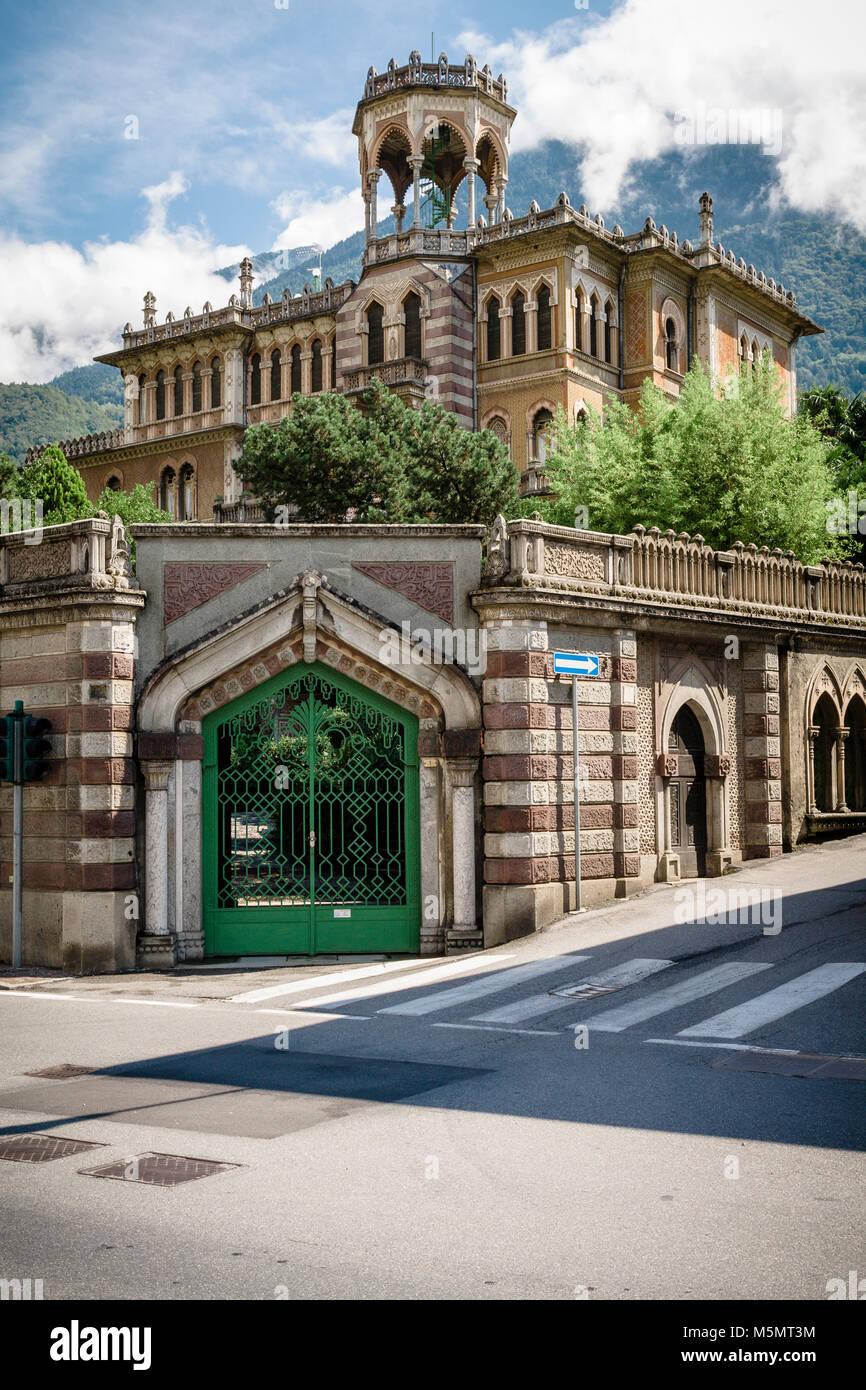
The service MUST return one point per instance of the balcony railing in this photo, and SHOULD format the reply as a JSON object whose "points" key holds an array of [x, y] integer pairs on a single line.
{"points": [[401, 371]]}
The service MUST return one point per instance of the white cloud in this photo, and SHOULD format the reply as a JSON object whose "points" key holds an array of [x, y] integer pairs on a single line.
{"points": [[61, 305], [321, 221], [614, 86]]}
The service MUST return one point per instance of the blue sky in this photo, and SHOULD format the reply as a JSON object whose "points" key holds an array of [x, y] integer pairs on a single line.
{"points": [[244, 112]]}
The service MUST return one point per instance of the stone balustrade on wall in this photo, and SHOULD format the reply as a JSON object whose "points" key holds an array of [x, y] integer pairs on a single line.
{"points": [[660, 568]]}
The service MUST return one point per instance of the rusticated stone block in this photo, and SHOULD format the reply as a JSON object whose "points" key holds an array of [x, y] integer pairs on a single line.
{"points": [[461, 743]]}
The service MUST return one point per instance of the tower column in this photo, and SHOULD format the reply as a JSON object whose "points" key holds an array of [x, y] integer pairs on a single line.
{"points": [[416, 161], [373, 178], [471, 166]]}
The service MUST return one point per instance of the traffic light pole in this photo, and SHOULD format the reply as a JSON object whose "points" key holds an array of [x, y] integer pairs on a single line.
{"points": [[17, 829]]}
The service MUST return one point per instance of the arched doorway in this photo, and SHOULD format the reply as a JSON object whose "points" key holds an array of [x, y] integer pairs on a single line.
{"points": [[310, 820], [855, 755], [688, 794], [825, 725]]}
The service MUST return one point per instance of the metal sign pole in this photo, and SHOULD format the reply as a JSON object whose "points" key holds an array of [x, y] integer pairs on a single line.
{"points": [[576, 760], [17, 828]]}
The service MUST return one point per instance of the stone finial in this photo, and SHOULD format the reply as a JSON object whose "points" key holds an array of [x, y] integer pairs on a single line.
{"points": [[246, 279], [149, 309], [706, 218]]}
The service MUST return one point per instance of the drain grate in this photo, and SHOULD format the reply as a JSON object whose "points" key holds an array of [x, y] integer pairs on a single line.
{"points": [[585, 991], [63, 1071], [42, 1148], [160, 1170]]}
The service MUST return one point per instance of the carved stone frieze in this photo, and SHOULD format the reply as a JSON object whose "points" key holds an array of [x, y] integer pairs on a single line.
{"points": [[187, 586]]}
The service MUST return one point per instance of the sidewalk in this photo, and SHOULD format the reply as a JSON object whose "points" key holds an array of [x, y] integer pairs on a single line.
{"points": [[832, 875]]}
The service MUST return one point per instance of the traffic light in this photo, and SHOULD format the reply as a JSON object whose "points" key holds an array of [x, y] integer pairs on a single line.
{"points": [[5, 748], [36, 746]]}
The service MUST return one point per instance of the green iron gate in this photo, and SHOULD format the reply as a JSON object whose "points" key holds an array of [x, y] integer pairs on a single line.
{"points": [[310, 820]]}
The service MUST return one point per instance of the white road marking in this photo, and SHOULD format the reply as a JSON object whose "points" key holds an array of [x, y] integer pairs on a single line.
{"points": [[621, 1016], [729, 1047], [337, 977], [39, 994], [157, 1003], [311, 1013], [628, 973], [486, 984], [776, 1003], [428, 977], [479, 1028]]}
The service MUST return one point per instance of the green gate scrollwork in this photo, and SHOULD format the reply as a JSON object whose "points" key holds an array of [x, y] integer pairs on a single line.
{"points": [[311, 790]]}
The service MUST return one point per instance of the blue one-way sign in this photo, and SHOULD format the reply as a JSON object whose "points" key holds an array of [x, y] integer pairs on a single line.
{"points": [[575, 664]]}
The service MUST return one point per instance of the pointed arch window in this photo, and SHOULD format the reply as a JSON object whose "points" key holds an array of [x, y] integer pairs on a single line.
{"points": [[160, 395], [186, 494], [142, 405], [196, 387], [578, 328], [276, 376], [518, 324], [541, 426], [178, 392], [316, 367], [544, 319], [608, 332], [215, 392], [494, 329], [593, 326], [375, 334], [412, 317], [256, 379], [671, 346], [296, 369], [168, 492]]}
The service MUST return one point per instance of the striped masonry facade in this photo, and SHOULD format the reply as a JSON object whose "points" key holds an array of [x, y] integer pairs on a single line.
{"points": [[762, 751]]}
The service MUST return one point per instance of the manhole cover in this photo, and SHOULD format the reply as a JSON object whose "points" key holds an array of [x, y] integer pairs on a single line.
{"points": [[63, 1071], [42, 1148], [160, 1170], [585, 991]]}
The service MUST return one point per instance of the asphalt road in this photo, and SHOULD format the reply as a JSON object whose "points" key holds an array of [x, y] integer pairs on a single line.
{"points": [[445, 1132]]}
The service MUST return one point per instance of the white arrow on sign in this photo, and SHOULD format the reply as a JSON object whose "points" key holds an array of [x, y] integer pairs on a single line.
{"points": [[575, 664]]}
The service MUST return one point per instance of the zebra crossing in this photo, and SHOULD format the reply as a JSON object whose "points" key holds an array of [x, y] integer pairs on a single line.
{"points": [[548, 1007]]}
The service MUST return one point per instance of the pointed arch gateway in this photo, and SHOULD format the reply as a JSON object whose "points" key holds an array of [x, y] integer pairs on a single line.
{"points": [[692, 769], [288, 724]]}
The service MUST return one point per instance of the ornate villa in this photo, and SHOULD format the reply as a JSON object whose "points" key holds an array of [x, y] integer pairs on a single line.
{"points": [[502, 318], [269, 739]]}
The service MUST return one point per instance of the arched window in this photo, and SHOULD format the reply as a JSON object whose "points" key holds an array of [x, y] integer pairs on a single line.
{"points": [[498, 427], [594, 306], [756, 354], [187, 493], [255, 379], [168, 492], [412, 316], [855, 755], [609, 329], [316, 367], [494, 336], [276, 376], [141, 399], [744, 352], [215, 393], [160, 395], [375, 334], [113, 483], [541, 424], [578, 328], [671, 353], [296, 369], [178, 391], [545, 328], [196, 387], [518, 324]]}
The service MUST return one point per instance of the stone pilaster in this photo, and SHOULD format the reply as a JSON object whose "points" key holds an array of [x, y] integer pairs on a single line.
{"points": [[763, 755], [623, 723]]}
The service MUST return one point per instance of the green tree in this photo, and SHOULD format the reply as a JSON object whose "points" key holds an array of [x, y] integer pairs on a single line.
{"points": [[729, 467], [59, 486], [329, 461], [137, 506], [8, 476]]}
